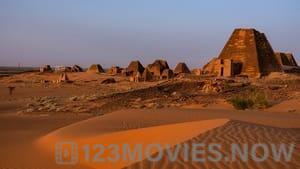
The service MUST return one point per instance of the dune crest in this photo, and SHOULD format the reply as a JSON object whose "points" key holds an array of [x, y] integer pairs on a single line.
{"points": [[166, 134]]}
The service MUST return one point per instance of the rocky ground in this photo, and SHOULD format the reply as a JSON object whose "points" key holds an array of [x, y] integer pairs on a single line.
{"points": [[87, 94]]}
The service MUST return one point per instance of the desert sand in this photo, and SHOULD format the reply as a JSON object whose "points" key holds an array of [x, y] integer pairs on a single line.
{"points": [[39, 113], [236, 132], [173, 134]]}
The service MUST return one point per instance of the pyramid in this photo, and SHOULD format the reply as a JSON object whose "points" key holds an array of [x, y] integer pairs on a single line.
{"points": [[157, 67], [248, 53], [286, 59], [181, 68], [134, 67], [76, 68], [287, 62], [95, 68]]}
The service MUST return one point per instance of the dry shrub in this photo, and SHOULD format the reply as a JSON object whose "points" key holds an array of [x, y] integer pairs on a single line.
{"points": [[254, 99]]}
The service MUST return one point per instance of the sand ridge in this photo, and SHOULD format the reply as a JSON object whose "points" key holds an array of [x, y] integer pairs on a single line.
{"points": [[234, 132], [165, 134], [135, 118]]}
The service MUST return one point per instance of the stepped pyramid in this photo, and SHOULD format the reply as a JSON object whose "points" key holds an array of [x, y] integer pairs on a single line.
{"points": [[248, 53]]}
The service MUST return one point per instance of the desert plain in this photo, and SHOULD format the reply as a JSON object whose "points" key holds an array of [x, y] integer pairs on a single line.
{"points": [[36, 112]]}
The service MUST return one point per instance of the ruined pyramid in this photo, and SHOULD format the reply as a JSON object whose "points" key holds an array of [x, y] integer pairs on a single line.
{"points": [[247, 52]]}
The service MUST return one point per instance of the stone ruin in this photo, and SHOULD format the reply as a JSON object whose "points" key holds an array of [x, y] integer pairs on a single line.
{"points": [[74, 68], [157, 68], [133, 68], [63, 78], [181, 68], [77, 68], [95, 68], [136, 78], [196, 71], [212, 86], [167, 74], [124, 72], [114, 70], [287, 62], [62, 69], [45, 68], [108, 81], [247, 53], [147, 75]]}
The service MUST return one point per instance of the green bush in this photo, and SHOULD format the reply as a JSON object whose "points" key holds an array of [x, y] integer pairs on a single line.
{"points": [[253, 99]]}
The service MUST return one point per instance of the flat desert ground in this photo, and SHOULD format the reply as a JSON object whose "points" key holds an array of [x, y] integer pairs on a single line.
{"points": [[40, 113]]}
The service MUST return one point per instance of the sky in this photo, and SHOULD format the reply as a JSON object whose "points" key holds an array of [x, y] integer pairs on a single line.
{"points": [[114, 32]]}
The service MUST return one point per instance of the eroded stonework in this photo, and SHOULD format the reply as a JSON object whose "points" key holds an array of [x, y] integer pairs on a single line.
{"points": [[287, 62]]}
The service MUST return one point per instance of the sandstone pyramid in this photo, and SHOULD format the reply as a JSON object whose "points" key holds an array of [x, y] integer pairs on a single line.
{"points": [[157, 67], [95, 68], [181, 68], [76, 68], [134, 67], [248, 53], [287, 62], [286, 59]]}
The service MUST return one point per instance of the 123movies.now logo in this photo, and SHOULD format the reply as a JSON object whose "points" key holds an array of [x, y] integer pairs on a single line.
{"points": [[66, 153]]}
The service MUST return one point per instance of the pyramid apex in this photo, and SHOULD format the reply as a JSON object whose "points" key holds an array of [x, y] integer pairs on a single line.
{"points": [[245, 29]]}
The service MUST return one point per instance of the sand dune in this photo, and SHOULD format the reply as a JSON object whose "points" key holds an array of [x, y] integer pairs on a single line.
{"points": [[166, 134], [135, 118], [17, 140], [18, 136], [234, 132], [125, 125]]}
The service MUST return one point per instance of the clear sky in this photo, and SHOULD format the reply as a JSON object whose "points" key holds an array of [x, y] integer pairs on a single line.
{"points": [[57, 32]]}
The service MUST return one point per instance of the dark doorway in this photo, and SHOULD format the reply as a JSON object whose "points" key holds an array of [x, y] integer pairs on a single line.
{"points": [[222, 71], [237, 68]]}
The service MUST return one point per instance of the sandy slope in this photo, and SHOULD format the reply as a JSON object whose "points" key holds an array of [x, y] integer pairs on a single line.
{"points": [[134, 118], [292, 106], [165, 134], [19, 134], [113, 127], [236, 132]]}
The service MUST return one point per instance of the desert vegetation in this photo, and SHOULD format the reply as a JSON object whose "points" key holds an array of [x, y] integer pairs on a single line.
{"points": [[254, 99]]}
